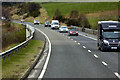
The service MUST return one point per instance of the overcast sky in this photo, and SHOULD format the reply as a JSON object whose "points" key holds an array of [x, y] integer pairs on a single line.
{"points": [[60, 0]]}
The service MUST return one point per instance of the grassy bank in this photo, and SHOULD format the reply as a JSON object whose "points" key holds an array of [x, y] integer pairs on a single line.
{"points": [[18, 64], [42, 17], [12, 35], [65, 8], [94, 11]]}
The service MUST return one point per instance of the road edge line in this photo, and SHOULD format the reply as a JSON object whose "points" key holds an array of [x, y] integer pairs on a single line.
{"points": [[48, 56], [88, 37]]}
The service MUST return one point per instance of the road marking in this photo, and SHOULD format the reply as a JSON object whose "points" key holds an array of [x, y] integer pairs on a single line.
{"points": [[78, 43], [71, 39], [75, 41], [48, 56], [84, 47], [87, 36], [89, 50], [104, 63], [117, 75], [95, 56]]}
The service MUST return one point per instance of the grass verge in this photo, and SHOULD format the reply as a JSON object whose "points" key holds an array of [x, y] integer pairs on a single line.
{"points": [[17, 65]]}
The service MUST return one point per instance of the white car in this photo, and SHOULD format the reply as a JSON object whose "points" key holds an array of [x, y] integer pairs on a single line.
{"points": [[36, 22], [55, 24], [64, 29]]}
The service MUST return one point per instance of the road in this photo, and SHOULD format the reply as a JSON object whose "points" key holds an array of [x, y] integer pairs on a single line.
{"points": [[78, 57], [71, 60]]}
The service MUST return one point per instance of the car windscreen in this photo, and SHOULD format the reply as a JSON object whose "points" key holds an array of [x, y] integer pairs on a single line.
{"points": [[36, 21], [73, 30], [111, 34], [55, 23], [64, 27], [47, 23]]}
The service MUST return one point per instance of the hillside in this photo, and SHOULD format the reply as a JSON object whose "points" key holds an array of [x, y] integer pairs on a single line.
{"points": [[13, 34], [90, 7], [94, 11]]}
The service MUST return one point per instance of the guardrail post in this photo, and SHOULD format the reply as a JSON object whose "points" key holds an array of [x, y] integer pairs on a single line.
{"points": [[16, 51], [4, 58], [8, 56], [13, 53]]}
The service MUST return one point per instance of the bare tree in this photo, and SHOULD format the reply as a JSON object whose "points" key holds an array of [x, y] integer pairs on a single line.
{"points": [[6, 12]]}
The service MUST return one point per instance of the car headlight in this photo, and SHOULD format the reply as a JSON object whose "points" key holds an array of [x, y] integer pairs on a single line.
{"points": [[106, 42], [119, 42]]}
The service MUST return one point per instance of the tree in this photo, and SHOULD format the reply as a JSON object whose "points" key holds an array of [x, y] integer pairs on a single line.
{"points": [[6, 12], [74, 14], [31, 8], [83, 21], [58, 16]]}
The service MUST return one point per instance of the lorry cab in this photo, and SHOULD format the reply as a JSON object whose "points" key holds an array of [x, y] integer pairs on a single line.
{"points": [[108, 35]]}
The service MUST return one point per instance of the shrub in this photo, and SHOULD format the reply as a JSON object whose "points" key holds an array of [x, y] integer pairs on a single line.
{"points": [[83, 21], [31, 8], [74, 14], [58, 16], [77, 19], [6, 13], [12, 34]]}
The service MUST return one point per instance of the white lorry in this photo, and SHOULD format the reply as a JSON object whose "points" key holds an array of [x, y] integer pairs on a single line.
{"points": [[55, 24]]}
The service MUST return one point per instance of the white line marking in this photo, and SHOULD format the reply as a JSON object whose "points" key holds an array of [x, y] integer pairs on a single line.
{"points": [[104, 63], [78, 43], [84, 47], [95, 56], [87, 36], [69, 37], [117, 75], [75, 41], [48, 56], [89, 51]]}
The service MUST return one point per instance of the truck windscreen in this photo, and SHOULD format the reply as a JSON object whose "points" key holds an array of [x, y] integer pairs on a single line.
{"points": [[111, 34]]}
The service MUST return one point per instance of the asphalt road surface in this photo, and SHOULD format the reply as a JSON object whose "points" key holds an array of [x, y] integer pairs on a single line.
{"points": [[78, 57], [75, 57]]}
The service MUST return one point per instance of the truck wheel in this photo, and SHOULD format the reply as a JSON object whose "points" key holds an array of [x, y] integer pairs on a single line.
{"points": [[102, 49]]}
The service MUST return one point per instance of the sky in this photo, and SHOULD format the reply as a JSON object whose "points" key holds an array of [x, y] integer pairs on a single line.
{"points": [[59, 0]]}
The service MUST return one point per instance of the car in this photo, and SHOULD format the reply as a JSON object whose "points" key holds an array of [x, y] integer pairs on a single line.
{"points": [[22, 20], [3, 18], [47, 24], [55, 24], [36, 22], [73, 32], [63, 29]]}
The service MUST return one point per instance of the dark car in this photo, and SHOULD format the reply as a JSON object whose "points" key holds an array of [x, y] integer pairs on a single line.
{"points": [[47, 24], [73, 32], [22, 21], [36, 22]]}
